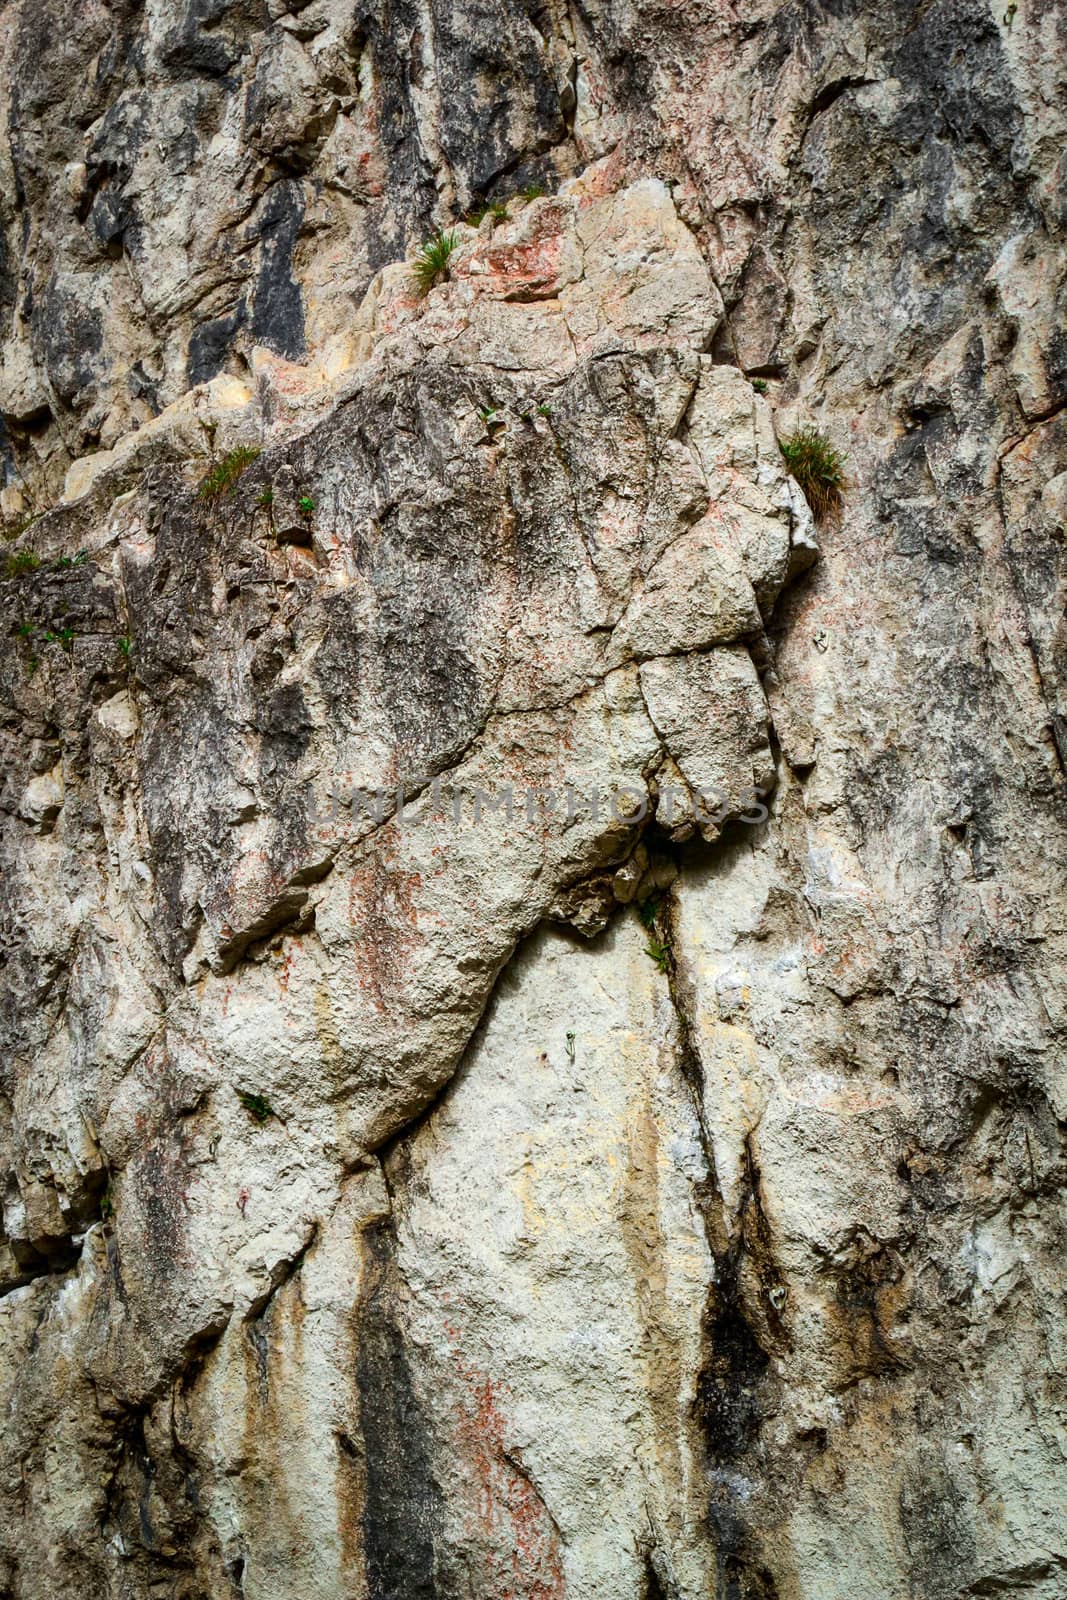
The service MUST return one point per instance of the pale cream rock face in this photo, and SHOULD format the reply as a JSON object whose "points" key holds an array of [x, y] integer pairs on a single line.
{"points": [[568, 1327]]}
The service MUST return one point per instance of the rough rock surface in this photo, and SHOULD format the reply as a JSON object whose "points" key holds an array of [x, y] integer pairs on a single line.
{"points": [[533, 994]]}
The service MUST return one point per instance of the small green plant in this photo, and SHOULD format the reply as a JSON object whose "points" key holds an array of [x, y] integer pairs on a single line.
{"points": [[306, 505], [265, 498], [226, 473], [26, 631], [257, 1106], [431, 261], [532, 191], [21, 562], [124, 644], [494, 422], [657, 949], [497, 209], [72, 561], [63, 636], [760, 385], [107, 1205], [543, 410], [818, 468]]}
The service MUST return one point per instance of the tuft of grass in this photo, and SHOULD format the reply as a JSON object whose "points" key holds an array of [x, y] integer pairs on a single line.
{"points": [[226, 473], [265, 498], [306, 505], [657, 949], [819, 469], [532, 191], [21, 562], [760, 385], [431, 261], [497, 209], [78, 560], [62, 636], [124, 645], [256, 1105]]}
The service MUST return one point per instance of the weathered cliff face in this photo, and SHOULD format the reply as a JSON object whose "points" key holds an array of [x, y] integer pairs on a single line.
{"points": [[446, 1154]]}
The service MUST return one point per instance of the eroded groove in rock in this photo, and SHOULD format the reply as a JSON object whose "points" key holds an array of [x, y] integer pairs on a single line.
{"points": [[402, 1504]]}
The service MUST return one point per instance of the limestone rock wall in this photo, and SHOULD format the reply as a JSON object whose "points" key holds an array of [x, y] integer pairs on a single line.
{"points": [[533, 1001]]}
